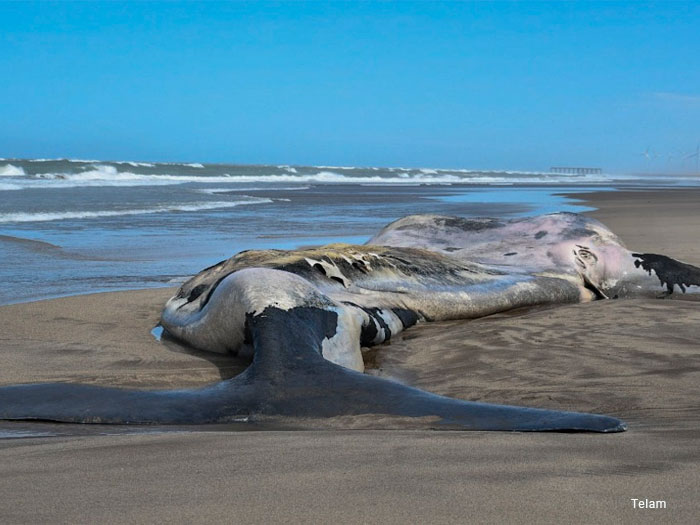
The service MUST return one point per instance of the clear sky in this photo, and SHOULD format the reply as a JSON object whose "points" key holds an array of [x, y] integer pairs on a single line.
{"points": [[466, 85]]}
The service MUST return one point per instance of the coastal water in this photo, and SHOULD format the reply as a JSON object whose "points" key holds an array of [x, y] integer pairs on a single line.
{"points": [[81, 226]]}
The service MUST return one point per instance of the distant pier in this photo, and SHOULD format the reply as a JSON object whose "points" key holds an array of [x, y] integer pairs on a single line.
{"points": [[575, 171]]}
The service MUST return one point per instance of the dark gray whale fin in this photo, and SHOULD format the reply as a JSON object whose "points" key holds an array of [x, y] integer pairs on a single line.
{"points": [[288, 378], [670, 272]]}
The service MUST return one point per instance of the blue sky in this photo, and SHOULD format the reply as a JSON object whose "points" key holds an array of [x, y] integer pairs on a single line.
{"points": [[469, 85]]}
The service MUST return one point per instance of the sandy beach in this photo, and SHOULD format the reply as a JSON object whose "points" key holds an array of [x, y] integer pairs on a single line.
{"points": [[638, 360]]}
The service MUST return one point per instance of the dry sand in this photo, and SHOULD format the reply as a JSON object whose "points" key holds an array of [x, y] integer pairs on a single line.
{"points": [[638, 360]]}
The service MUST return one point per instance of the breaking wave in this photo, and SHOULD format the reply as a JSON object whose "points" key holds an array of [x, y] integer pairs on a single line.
{"points": [[9, 170], [104, 175], [61, 159], [185, 164], [81, 173], [137, 164], [109, 176]]}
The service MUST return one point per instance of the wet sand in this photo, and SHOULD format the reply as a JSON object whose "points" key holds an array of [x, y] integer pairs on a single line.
{"points": [[653, 221], [638, 360]]}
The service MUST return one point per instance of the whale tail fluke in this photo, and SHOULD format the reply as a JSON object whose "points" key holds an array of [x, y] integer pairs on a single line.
{"points": [[288, 378], [76, 403]]}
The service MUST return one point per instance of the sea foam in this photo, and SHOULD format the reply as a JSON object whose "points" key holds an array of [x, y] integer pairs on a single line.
{"points": [[104, 175], [9, 170], [116, 174], [57, 216], [214, 191], [136, 164]]}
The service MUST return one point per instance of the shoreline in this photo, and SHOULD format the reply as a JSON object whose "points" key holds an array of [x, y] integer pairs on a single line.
{"points": [[634, 359], [605, 203]]}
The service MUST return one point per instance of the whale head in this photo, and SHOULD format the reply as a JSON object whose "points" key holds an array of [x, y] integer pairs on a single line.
{"points": [[610, 270]]}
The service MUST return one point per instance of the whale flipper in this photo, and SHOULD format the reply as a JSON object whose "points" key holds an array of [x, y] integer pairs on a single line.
{"points": [[287, 378]]}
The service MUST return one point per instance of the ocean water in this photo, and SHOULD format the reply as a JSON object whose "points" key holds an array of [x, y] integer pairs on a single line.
{"points": [[81, 226]]}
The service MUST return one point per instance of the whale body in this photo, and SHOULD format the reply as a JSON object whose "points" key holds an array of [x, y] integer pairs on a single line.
{"points": [[303, 317]]}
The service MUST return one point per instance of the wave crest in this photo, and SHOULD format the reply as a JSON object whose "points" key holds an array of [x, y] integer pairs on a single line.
{"points": [[10, 170], [118, 174]]}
